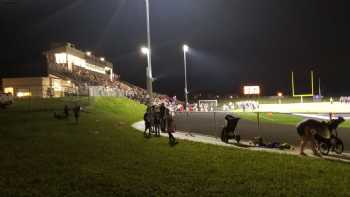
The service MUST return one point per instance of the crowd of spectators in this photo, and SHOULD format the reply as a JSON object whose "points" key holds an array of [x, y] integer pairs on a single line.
{"points": [[247, 105], [344, 99], [84, 78]]}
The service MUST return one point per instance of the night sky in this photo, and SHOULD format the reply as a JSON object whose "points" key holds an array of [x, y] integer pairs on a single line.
{"points": [[233, 42]]}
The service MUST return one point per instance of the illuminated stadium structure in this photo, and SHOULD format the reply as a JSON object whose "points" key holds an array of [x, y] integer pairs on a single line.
{"points": [[67, 70], [69, 59]]}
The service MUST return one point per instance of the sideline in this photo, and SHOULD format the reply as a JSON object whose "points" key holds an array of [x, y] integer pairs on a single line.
{"points": [[244, 145], [324, 117]]}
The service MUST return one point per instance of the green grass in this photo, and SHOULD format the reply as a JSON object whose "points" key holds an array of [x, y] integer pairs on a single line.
{"points": [[275, 118], [104, 156], [278, 118], [273, 100]]}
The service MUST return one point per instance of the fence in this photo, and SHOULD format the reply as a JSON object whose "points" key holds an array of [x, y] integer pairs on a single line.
{"points": [[105, 91]]}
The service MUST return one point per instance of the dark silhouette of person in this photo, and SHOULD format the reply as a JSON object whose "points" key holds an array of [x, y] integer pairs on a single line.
{"points": [[65, 114], [66, 111], [163, 117], [157, 121], [76, 111], [171, 128], [147, 118], [307, 130], [152, 118]]}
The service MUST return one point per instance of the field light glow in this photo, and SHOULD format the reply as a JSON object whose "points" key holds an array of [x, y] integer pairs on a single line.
{"points": [[144, 50], [23, 94], [185, 48]]}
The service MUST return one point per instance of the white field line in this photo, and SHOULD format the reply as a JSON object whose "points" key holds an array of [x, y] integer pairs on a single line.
{"points": [[317, 107], [318, 116]]}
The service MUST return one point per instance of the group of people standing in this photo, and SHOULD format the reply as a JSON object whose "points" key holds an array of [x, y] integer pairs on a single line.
{"points": [[159, 118], [344, 99], [247, 105]]}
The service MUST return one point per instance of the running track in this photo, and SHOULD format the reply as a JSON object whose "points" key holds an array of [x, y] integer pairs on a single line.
{"points": [[210, 123]]}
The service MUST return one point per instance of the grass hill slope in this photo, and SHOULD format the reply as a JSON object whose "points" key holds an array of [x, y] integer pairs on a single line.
{"points": [[104, 156]]}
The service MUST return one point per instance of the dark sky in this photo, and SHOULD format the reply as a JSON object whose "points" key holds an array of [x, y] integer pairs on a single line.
{"points": [[234, 42]]}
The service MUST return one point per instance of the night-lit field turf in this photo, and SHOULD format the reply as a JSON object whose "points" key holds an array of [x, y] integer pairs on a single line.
{"points": [[272, 100], [278, 118], [104, 156]]}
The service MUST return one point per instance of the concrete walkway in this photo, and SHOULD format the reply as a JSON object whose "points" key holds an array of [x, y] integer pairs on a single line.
{"points": [[245, 145]]}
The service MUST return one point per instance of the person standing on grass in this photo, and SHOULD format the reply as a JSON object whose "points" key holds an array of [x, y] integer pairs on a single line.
{"points": [[147, 118], [157, 121], [66, 111], [76, 111], [152, 118], [171, 128], [163, 117]]}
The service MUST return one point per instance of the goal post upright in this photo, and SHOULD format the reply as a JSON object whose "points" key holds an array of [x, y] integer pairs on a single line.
{"points": [[312, 82], [303, 95], [293, 91]]}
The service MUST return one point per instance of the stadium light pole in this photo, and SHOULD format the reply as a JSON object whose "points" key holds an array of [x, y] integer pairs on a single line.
{"points": [[149, 60], [146, 51], [185, 50]]}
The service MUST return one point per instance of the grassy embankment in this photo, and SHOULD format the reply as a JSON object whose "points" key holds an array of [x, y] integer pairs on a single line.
{"points": [[104, 156]]}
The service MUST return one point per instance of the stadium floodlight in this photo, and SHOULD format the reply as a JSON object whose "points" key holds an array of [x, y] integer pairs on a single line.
{"points": [[144, 50], [185, 49], [149, 78]]}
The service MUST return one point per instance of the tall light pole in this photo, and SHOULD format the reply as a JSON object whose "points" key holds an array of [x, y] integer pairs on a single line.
{"points": [[149, 62], [146, 51], [185, 49]]}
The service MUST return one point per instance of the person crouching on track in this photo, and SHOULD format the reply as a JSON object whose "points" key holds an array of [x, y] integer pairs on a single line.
{"points": [[307, 130]]}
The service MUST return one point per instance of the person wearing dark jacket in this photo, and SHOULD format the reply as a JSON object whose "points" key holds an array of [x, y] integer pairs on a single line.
{"points": [[66, 111], [76, 111], [307, 130], [163, 111], [147, 118]]}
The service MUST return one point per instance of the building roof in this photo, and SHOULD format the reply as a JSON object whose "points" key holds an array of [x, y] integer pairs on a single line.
{"points": [[71, 49]]}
